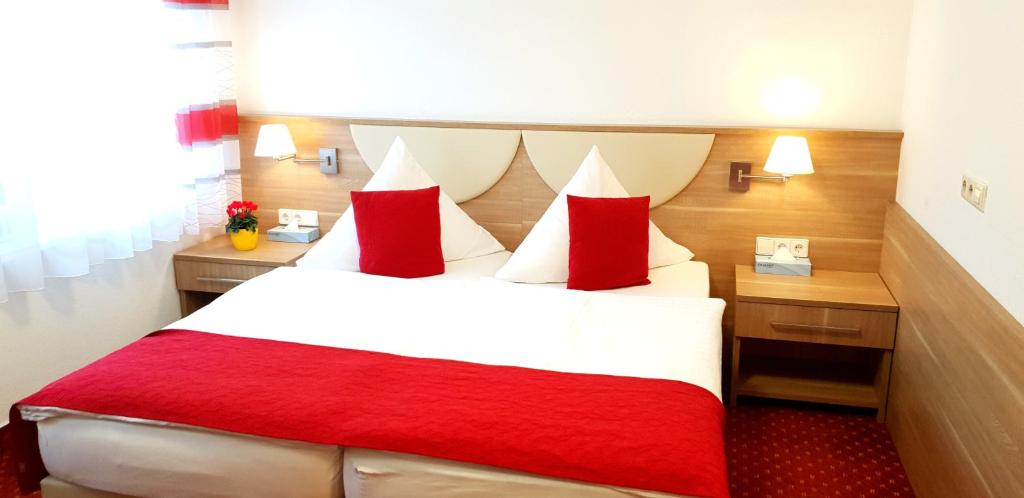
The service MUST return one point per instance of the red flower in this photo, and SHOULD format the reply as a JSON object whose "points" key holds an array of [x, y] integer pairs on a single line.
{"points": [[242, 209]]}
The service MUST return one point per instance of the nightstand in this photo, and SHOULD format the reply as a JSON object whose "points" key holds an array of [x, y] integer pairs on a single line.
{"points": [[827, 338], [207, 270]]}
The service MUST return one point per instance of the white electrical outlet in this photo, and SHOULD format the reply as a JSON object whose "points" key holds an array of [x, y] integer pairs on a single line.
{"points": [[306, 218], [800, 247], [974, 191], [766, 246]]}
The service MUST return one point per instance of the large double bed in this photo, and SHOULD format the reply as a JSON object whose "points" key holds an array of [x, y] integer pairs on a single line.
{"points": [[667, 330], [324, 380]]}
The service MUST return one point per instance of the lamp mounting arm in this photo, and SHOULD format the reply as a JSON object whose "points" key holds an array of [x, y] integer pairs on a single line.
{"points": [[739, 177], [743, 176], [328, 160]]}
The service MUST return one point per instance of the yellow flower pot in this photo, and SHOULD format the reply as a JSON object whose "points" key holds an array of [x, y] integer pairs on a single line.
{"points": [[245, 240]]}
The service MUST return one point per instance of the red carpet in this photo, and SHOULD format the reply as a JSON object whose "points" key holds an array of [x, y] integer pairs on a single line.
{"points": [[783, 452], [777, 453], [8, 484]]}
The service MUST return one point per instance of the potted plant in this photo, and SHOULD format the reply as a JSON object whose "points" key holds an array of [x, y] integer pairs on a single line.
{"points": [[242, 225]]}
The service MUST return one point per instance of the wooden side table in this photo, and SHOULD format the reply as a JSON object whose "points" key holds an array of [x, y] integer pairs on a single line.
{"points": [[827, 338], [206, 270]]}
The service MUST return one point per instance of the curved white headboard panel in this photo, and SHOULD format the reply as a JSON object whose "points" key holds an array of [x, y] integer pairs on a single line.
{"points": [[656, 164], [465, 162]]}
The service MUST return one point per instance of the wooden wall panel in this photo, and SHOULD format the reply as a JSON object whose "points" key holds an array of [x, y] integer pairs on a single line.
{"points": [[956, 403], [841, 207]]}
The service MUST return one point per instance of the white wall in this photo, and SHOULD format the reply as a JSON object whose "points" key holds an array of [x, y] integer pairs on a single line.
{"points": [[815, 63], [964, 112], [47, 334]]}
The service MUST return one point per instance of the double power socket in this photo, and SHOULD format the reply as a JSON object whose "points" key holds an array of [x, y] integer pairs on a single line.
{"points": [[306, 218], [766, 246], [974, 191]]}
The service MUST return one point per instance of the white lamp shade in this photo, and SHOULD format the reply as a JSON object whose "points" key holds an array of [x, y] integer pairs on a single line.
{"points": [[274, 141], [789, 156]]}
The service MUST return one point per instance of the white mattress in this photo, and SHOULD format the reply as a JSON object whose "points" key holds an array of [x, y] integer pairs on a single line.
{"points": [[376, 474], [157, 461], [457, 317]]}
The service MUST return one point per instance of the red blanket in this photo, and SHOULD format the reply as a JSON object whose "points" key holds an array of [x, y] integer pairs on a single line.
{"points": [[648, 434]]}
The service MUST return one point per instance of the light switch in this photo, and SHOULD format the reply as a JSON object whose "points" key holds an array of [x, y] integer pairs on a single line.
{"points": [[764, 246]]}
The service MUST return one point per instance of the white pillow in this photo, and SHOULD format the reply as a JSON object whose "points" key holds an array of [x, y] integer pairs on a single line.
{"points": [[544, 254], [461, 237]]}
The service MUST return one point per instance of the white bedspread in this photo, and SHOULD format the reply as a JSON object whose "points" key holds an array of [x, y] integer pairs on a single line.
{"points": [[483, 322], [480, 321]]}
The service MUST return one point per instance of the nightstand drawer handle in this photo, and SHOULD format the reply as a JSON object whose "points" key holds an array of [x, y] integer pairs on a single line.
{"points": [[816, 328], [222, 280]]}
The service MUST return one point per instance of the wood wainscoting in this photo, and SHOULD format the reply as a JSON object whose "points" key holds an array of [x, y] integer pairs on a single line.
{"points": [[956, 402], [840, 208]]}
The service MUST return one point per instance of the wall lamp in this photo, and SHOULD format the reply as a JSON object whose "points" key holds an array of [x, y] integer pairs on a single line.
{"points": [[789, 156], [275, 141]]}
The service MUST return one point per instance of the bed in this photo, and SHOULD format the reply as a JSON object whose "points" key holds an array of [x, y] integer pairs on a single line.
{"points": [[666, 334], [146, 458]]}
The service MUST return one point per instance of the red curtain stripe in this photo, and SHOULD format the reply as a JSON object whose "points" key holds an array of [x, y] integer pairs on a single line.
{"points": [[207, 125]]}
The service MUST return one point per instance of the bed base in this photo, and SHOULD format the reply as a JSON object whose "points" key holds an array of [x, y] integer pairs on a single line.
{"points": [[56, 488]]}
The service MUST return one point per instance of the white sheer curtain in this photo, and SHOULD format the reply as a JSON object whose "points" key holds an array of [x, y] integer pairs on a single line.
{"points": [[91, 167]]}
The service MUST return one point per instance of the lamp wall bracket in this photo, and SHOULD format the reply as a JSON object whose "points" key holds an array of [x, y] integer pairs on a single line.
{"points": [[328, 160], [739, 177]]}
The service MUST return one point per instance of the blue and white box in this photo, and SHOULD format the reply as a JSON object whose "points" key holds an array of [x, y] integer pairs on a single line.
{"points": [[302, 235], [800, 267]]}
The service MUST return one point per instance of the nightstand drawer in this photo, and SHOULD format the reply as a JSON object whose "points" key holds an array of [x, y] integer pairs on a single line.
{"points": [[214, 277], [843, 327]]}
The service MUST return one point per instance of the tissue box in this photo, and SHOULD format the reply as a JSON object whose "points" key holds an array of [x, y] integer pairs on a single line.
{"points": [[764, 264], [302, 234]]}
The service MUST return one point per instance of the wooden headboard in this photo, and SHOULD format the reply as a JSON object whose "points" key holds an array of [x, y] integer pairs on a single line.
{"points": [[841, 208]]}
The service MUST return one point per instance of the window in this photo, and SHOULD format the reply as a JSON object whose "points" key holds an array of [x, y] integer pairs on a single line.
{"points": [[117, 178]]}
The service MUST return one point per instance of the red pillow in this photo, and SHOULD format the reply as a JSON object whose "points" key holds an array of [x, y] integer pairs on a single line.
{"points": [[399, 232], [608, 242]]}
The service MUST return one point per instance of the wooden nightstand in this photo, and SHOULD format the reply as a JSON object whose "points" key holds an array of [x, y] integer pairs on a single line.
{"points": [[827, 338], [207, 270]]}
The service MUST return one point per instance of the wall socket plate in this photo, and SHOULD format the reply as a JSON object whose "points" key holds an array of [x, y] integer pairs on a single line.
{"points": [[766, 246], [974, 191], [306, 218]]}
